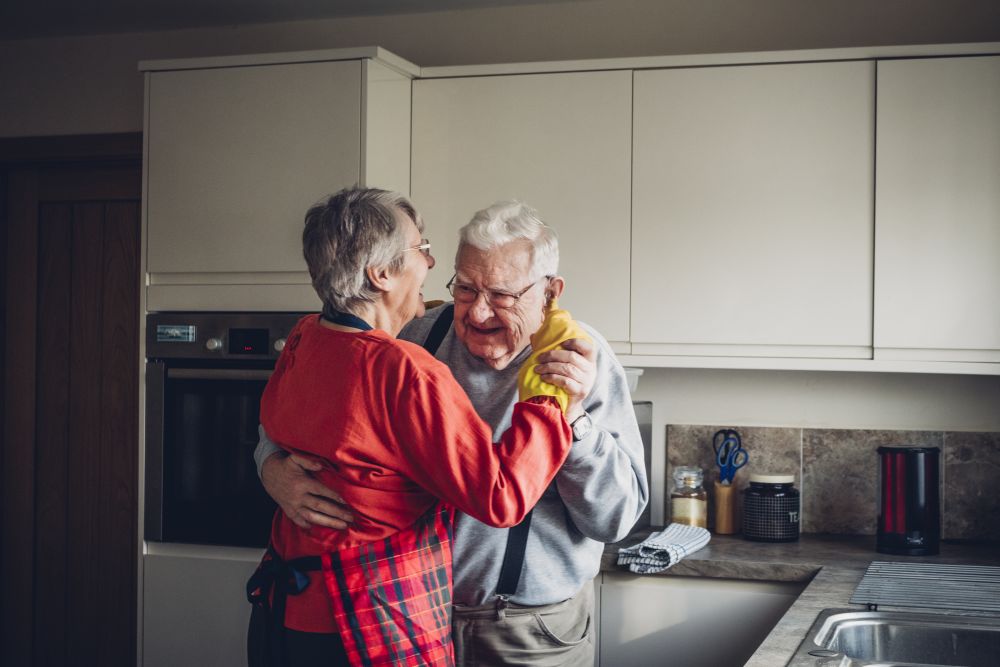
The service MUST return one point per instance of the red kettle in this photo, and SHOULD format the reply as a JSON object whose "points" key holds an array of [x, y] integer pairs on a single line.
{"points": [[909, 510]]}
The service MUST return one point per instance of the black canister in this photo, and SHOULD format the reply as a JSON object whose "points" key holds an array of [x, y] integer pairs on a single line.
{"points": [[771, 509]]}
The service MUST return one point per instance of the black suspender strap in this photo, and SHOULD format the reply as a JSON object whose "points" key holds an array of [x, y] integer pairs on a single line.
{"points": [[513, 561], [440, 329], [517, 537]]}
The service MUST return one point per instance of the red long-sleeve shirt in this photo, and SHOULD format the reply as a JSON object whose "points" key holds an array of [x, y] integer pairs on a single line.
{"points": [[396, 433]]}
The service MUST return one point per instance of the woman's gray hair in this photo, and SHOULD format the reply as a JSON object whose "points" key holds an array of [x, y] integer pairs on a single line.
{"points": [[348, 232], [508, 221]]}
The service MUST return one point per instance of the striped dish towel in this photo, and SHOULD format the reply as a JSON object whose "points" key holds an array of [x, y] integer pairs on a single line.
{"points": [[663, 549]]}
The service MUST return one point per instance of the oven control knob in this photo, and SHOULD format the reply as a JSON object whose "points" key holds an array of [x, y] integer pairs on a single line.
{"points": [[279, 345], [213, 344]]}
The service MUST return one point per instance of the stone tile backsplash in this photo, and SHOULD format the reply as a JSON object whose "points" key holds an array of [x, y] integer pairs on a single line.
{"points": [[972, 501], [840, 468], [836, 473]]}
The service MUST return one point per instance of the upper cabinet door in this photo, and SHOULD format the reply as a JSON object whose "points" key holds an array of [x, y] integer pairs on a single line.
{"points": [[937, 242], [752, 210], [235, 157], [558, 142]]}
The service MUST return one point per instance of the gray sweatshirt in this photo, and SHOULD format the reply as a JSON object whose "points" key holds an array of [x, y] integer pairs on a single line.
{"points": [[596, 497]]}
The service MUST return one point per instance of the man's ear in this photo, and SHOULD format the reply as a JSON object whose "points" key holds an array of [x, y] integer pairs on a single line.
{"points": [[380, 278], [555, 288]]}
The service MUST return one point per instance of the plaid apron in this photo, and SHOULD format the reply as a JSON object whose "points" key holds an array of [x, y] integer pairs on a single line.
{"points": [[391, 598]]}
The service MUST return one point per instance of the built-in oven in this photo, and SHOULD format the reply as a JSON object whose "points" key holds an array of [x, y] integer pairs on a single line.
{"points": [[205, 373]]}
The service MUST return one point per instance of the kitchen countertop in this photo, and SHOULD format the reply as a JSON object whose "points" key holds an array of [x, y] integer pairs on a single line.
{"points": [[832, 564]]}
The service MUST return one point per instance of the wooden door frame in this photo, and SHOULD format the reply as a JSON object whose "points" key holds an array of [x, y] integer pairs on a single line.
{"points": [[21, 151], [23, 162]]}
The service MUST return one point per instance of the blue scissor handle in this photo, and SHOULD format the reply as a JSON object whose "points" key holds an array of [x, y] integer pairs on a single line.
{"points": [[724, 437], [729, 453], [737, 459]]}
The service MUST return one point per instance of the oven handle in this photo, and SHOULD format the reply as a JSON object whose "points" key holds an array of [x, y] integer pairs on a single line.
{"points": [[219, 373]]}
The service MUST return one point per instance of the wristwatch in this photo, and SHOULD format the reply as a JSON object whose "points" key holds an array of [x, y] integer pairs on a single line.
{"points": [[582, 426]]}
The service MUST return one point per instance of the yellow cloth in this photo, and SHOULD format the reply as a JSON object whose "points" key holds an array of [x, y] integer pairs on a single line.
{"points": [[558, 327]]}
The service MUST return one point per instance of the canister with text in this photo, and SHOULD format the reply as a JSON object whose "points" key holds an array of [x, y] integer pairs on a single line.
{"points": [[771, 509]]}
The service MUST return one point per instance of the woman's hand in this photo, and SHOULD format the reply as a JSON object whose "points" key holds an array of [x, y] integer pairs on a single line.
{"points": [[573, 368], [289, 480]]}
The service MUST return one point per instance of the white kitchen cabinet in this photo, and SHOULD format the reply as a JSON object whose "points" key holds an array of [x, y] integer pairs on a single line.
{"points": [[937, 215], [689, 621], [559, 142], [237, 149], [752, 201], [195, 609]]}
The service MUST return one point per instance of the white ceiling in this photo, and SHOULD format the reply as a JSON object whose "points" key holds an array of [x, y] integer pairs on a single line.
{"points": [[23, 19]]}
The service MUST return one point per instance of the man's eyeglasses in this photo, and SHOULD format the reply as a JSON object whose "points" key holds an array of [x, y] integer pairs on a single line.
{"points": [[424, 247], [498, 299]]}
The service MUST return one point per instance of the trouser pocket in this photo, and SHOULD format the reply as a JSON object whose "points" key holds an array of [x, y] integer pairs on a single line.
{"points": [[559, 635]]}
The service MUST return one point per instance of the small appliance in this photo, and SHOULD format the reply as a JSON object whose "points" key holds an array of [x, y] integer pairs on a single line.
{"points": [[909, 510], [644, 417]]}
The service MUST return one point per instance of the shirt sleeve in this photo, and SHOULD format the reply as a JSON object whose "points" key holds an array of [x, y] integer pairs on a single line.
{"points": [[448, 450], [265, 447], [603, 482]]}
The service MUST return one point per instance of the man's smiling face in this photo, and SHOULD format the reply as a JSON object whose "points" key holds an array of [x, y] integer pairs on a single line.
{"points": [[494, 335]]}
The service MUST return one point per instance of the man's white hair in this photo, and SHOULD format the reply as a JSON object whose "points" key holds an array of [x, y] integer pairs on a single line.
{"points": [[508, 221]]}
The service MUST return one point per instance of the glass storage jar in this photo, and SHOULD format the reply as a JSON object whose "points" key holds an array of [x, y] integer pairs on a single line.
{"points": [[688, 500]]}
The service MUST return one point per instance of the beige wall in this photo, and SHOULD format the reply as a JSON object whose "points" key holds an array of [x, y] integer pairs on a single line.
{"points": [[830, 399], [90, 84]]}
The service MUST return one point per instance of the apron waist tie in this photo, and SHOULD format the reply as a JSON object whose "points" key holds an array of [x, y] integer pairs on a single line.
{"points": [[269, 587]]}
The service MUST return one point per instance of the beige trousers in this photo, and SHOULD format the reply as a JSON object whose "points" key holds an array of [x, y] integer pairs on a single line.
{"points": [[556, 635]]}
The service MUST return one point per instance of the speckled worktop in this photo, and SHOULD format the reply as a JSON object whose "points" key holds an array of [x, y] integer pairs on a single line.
{"points": [[832, 564]]}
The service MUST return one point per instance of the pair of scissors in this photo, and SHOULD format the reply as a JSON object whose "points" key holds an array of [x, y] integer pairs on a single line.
{"points": [[729, 454]]}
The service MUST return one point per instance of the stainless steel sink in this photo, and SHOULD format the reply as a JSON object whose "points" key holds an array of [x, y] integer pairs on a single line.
{"points": [[851, 638]]}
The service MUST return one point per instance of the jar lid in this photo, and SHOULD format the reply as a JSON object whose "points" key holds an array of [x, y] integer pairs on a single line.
{"points": [[688, 473], [772, 479]]}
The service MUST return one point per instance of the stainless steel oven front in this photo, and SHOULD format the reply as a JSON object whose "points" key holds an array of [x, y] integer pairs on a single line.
{"points": [[205, 373]]}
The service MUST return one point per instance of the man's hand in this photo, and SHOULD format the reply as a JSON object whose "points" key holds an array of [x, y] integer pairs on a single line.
{"points": [[307, 502], [573, 368]]}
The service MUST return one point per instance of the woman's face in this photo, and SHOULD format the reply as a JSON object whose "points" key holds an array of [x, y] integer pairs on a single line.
{"points": [[407, 295]]}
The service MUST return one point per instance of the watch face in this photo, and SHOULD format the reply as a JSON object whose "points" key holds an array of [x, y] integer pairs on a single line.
{"points": [[581, 427]]}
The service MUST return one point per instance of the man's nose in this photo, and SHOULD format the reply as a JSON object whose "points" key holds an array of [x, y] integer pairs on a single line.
{"points": [[481, 310], [430, 261]]}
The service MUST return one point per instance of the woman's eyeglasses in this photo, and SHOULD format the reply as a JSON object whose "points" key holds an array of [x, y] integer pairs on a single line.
{"points": [[424, 247]]}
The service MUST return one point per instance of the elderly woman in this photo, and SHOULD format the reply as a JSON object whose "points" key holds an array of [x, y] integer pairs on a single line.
{"points": [[398, 440]]}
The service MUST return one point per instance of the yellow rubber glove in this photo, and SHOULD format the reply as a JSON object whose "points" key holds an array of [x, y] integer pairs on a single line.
{"points": [[558, 327]]}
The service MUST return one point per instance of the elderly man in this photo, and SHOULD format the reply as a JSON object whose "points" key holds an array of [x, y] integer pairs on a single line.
{"points": [[505, 273]]}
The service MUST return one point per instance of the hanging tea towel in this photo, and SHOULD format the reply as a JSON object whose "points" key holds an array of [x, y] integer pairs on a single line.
{"points": [[663, 549], [557, 328]]}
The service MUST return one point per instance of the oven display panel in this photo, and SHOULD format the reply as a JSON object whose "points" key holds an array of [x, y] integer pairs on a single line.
{"points": [[176, 333], [248, 341]]}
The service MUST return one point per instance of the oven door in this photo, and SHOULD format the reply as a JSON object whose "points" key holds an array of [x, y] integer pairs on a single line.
{"points": [[201, 480]]}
